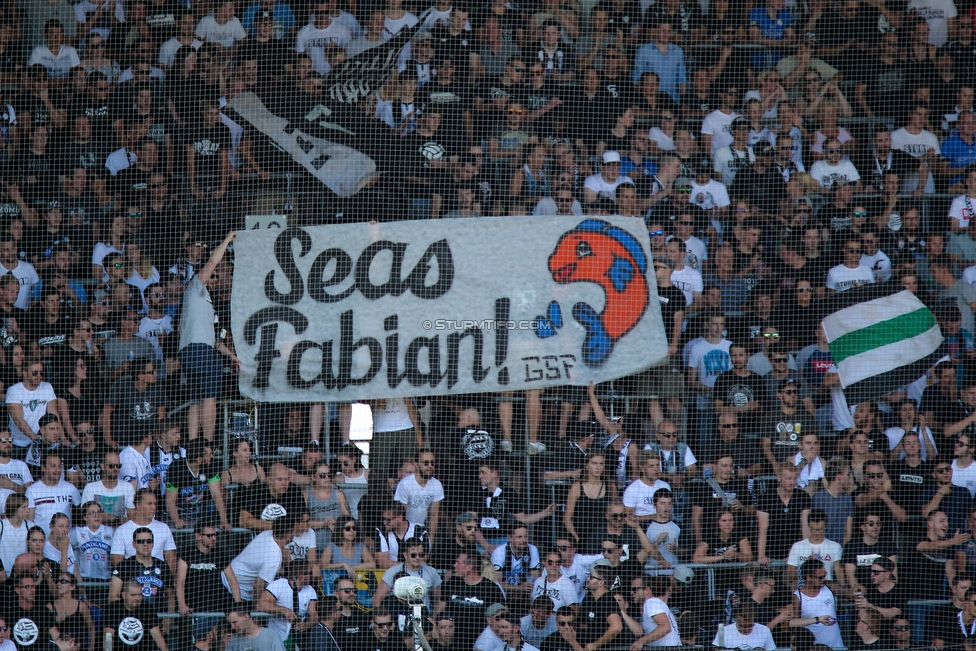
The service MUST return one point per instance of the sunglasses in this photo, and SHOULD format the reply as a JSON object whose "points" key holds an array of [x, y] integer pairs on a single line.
{"points": [[383, 624], [874, 571], [416, 554], [771, 335], [515, 111], [655, 233], [113, 466], [874, 475], [901, 627], [6, 440], [832, 150], [729, 425], [144, 541], [859, 213], [64, 582], [669, 435], [618, 516], [120, 265], [209, 535], [667, 117], [564, 548], [135, 214], [349, 528], [804, 289], [854, 250], [609, 549]]}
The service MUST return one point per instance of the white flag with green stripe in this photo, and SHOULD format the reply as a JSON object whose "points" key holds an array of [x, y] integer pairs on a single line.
{"points": [[887, 335]]}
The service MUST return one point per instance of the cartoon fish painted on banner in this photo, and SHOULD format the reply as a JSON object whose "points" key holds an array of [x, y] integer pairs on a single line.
{"points": [[597, 252]]}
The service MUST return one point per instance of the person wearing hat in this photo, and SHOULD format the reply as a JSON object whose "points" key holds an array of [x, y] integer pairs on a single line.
{"points": [[444, 631], [600, 621], [490, 638], [464, 595], [540, 622], [604, 183], [736, 155], [708, 194]]}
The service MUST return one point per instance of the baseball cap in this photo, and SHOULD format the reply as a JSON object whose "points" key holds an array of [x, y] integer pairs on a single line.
{"points": [[47, 419], [885, 564], [682, 181], [465, 517], [684, 574], [494, 609], [839, 183], [804, 200], [263, 16], [601, 562], [611, 156], [762, 148], [740, 122]]}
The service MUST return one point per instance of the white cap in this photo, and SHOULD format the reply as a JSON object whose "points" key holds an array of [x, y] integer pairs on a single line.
{"points": [[611, 156]]}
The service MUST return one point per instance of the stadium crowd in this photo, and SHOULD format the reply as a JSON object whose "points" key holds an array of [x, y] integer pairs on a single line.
{"points": [[777, 153]]}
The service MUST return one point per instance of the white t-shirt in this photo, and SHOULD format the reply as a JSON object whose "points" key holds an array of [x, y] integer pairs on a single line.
{"points": [[16, 471], [135, 467], [93, 549], [879, 264], [115, 501], [85, 7], [260, 559], [695, 253], [561, 591], [655, 606], [673, 531], [718, 126], [711, 196], [34, 405], [48, 500], [13, 542], [688, 281], [227, 34], [728, 161], [640, 497], [167, 53], [299, 545], [598, 184], [27, 275], [826, 173], [284, 596], [579, 570], [162, 539], [661, 139], [407, 20], [759, 638], [315, 41], [965, 477], [937, 14], [829, 552], [962, 209], [58, 65], [418, 498], [917, 145], [841, 278]]}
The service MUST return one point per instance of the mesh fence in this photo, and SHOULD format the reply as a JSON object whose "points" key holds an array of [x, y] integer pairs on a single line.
{"points": [[797, 471]]}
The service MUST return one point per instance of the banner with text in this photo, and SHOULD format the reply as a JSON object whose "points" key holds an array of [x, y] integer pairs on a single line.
{"points": [[364, 311]]}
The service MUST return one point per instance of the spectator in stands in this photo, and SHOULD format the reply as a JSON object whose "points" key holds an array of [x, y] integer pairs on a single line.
{"points": [[814, 605], [239, 618]]}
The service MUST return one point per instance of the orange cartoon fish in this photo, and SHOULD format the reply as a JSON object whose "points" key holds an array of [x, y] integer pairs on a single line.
{"points": [[598, 252]]}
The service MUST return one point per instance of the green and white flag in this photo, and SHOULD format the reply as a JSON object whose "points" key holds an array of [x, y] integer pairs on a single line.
{"points": [[880, 342]]}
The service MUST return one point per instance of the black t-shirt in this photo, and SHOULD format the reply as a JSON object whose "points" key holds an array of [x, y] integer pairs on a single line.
{"points": [[155, 579], [259, 502], [734, 390], [466, 604], [349, 629], [591, 623], [203, 585], [924, 572], [192, 491], [555, 642], [29, 630], [907, 484], [134, 412], [784, 431], [945, 625], [863, 556], [894, 598], [209, 144], [132, 627], [703, 495], [672, 300], [944, 409], [495, 511], [446, 551], [784, 520], [880, 508]]}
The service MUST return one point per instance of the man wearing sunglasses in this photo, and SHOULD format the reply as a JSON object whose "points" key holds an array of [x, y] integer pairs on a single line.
{"points": [[414, 555], [198, 570], [782, 428]]}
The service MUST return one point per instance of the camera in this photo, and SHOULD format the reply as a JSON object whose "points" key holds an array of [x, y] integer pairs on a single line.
{"points": [[410, 589]]}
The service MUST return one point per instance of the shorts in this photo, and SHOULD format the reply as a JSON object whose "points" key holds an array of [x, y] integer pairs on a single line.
{"points": [[203, 370], [666, 380]]}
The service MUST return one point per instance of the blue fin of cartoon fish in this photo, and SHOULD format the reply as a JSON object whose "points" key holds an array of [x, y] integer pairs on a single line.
{"points": [[555, 314], [598, 344], [620, 273], [543, 328]]}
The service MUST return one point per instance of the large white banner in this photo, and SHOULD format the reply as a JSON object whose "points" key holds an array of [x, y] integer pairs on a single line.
{"points": [[358, 311]]}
